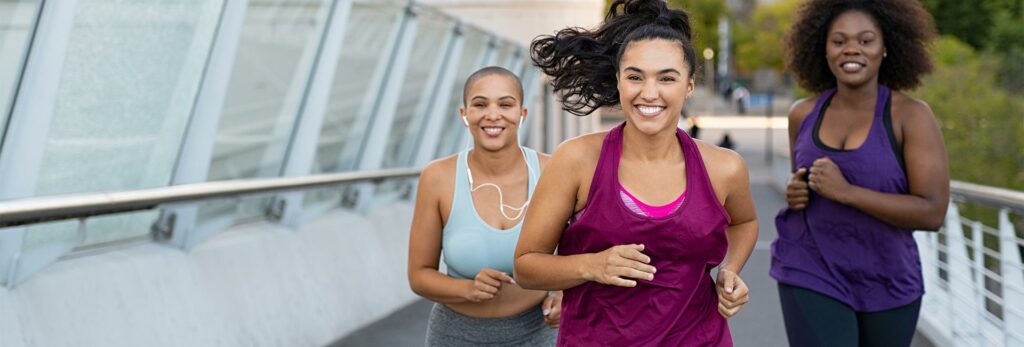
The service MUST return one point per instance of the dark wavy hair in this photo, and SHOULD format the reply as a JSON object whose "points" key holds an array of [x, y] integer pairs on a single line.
{"points": [[907, 29], [583, 63]]}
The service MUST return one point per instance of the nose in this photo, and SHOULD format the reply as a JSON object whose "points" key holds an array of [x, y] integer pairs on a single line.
{"points": [[492, 113], [649, 92]]}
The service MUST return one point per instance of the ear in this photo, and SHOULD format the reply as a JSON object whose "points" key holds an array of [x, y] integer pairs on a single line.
{"points": [[690, 86]]}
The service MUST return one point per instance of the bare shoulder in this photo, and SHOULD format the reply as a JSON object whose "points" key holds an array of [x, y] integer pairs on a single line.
{"points": [[581, 150], [721, 162], [909, 110], [800, 109], [440, 172]]}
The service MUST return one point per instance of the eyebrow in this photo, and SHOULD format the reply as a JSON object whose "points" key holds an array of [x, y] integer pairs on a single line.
{"points": [[481, 97], [668, 70], [862, 32]]}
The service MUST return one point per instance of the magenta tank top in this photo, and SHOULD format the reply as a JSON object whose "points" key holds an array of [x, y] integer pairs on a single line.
{"points": [[678, 307]]}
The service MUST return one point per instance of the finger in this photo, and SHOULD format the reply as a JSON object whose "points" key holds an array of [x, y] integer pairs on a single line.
{"points": [[632, 273], [723, 311], [729, 282], [634, 254], [799, 174], [495, 274], [483, 287], [621, 282], [741, 287], [504, 277], [484, 296], [549, 303], [490, 281]]}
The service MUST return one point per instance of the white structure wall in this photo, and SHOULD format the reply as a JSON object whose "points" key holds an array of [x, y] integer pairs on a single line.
{"points": [[253, 285]]}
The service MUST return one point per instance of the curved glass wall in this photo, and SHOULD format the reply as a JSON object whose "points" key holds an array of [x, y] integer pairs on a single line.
{"points": [[370, 34], [418, 86], [17, 22], [125, 96], [278, 46], [473, 55]]}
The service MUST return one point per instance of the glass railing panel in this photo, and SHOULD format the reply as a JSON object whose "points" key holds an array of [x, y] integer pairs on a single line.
{"points": [[277, 49], [354, 91], [125, 96], [472, 55], [17, 22], [426, 57]]}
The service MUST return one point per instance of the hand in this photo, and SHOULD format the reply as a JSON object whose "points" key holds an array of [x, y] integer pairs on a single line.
{"points": [[797, 194], [552, 307], [616, 265], [732, 293], [486, 284], [826, 179]]}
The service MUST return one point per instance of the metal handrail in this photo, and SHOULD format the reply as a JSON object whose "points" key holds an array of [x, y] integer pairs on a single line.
{"points": [[42, 209], [987, 194]]}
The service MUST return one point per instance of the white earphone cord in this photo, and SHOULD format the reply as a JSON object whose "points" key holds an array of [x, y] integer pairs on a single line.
{"points": [[501, 197]]}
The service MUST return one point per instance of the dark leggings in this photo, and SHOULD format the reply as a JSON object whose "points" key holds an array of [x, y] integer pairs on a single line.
{"points": [[813, 319]]}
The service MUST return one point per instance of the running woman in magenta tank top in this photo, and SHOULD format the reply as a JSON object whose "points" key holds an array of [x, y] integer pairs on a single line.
{"points": [[870, 167], [650, 211]]}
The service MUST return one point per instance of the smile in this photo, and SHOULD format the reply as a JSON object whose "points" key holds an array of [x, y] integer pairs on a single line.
{"points": [[649, 111]]}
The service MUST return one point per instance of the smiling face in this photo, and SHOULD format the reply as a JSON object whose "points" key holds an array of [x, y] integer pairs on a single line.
{"points": [[653, 83], [493, 111], [854, 49]]}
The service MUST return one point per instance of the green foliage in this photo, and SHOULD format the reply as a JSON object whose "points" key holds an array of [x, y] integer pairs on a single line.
{"points": [[969, 21], [704, 15], [983, 125], [759, 43]]}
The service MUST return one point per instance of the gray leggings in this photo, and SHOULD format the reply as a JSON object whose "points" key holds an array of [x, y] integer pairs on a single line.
{"points": [[450, 328]]}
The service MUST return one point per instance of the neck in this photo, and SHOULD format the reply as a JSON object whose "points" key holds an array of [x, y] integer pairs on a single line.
{"points": [[495, 163], [856, 97], [663, 145]]}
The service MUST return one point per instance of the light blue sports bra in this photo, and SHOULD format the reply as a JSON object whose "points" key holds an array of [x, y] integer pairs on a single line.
{"points": [[468, 243]]}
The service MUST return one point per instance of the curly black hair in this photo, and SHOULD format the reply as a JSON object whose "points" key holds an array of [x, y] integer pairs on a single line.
{"points": [[907, 29], [583, 63]]}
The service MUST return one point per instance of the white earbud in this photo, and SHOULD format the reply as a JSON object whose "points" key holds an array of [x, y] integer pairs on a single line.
{"points": [[466, 121]]}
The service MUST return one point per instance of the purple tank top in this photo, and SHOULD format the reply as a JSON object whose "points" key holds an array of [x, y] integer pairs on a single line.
{"points": [[838, 250], [678, 307]]}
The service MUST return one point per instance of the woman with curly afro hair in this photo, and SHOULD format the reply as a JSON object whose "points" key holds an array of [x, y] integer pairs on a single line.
{"points": [[870, 168]]}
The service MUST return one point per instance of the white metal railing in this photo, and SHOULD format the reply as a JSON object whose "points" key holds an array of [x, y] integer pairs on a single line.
{"points": [[973, 272], [42, 209]]}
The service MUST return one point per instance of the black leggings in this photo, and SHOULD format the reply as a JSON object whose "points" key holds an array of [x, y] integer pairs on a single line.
{"points": [[813, 319]]}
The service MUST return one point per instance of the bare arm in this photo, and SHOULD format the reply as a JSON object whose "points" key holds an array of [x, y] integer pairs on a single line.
{"points": [[927, 174], [551, 206], [425, 244], [740, 205], [797, 193], [536, 267]]}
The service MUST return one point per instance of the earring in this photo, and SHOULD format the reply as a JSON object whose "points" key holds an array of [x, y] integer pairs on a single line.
{"points": [[466, 121], [885, 54]]}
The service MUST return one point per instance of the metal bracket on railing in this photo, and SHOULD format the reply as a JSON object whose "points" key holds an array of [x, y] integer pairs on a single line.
{"points": [[350, 197], [163, 228], [276, 209], [407, 189]]}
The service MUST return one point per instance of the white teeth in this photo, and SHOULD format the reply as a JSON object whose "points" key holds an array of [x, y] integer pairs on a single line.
{"points": [[649, 110], [851, 65], [492, 130]]}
